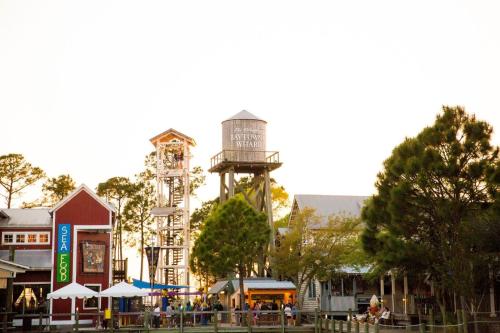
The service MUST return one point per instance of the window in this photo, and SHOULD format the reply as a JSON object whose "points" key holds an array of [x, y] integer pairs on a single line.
{"points": [[92, 303], [29, 238], [43, 238], [312, 289], [20, 238], [8, 238]]}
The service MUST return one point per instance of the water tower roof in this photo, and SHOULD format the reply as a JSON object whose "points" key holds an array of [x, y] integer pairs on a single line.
{"points": [[244, 115]]}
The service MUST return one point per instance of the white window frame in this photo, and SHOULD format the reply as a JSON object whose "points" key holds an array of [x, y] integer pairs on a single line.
{"points": [[39, 236], [19, 234], [98, 298], [27, 237], [10, 234], [312, 290], [25, 234]]}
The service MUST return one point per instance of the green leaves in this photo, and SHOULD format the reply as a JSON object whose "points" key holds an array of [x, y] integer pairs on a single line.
{"points": [[433, 189], [233, 235], [16, 174], [313, 247]]}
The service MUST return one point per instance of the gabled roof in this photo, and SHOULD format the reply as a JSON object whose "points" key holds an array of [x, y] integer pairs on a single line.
{"points": [[25, 217], [172, 133], [329, 205], [244, 115], [85, 188]]}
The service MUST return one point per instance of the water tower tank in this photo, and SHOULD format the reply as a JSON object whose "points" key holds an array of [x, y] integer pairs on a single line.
{"points": [[244, 138]]}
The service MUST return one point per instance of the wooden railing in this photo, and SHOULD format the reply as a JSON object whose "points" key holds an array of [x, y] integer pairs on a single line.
{"points": [[119, 269], [259, 156]]}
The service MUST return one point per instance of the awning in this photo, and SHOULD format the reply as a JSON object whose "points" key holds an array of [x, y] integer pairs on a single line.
{"points": [[147, 285], [34, 259], [72, 290], [123, 289]]}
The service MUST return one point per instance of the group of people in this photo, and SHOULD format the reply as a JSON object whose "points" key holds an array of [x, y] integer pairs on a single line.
{"points": [[374, 315], [172, 312], [259, 310]]}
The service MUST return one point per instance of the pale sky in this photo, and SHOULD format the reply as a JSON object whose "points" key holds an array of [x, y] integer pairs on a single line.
{"points": [[84, 85]]}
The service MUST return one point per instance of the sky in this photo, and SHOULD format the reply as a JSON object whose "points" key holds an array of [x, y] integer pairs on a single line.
{"points": [[84, 85]]}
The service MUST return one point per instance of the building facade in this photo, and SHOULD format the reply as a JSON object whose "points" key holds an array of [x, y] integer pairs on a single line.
{"points": [[71, 242]]}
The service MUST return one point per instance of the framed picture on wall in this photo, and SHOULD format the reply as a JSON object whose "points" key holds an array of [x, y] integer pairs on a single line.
{"points": [[93, 254]]}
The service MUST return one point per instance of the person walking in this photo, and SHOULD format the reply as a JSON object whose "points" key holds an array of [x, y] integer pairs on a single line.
{"points": [[288, 314]]}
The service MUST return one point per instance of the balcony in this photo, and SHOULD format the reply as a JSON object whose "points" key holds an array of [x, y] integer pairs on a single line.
{"points": [[119, 270], [244, 160]]}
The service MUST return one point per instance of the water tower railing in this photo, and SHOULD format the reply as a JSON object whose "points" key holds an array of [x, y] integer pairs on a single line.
{"points": [[245, 156]]}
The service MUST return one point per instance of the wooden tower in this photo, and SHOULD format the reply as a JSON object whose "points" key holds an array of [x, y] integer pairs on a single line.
{"points": [[244, 152], [172, 211]]}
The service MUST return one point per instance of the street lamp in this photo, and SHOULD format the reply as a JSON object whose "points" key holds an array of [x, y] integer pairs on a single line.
{"points": [[152, 253]]}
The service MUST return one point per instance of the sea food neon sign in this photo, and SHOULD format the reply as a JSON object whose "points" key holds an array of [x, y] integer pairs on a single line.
{"points": [[63, 252]]}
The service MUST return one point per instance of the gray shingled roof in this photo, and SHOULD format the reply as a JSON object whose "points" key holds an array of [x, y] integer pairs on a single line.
{"points": [[327, 205], [34, 259], [252, 283], [244, 115], [331, 205], [36, 217]]}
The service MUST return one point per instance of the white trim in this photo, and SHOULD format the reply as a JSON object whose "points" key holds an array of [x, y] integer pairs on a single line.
{"points": [[110, 274], [73, 277], [80, 188], [98, 298], [52, 262], [26, 234], [70, 322], [25, 283], [91, 227]]}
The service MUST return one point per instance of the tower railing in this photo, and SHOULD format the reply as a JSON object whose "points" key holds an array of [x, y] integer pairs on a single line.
{"points": [[257, 156]]}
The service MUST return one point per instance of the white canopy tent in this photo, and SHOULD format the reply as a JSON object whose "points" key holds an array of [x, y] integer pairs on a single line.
{"points": [[72, 290], [123, 289]]}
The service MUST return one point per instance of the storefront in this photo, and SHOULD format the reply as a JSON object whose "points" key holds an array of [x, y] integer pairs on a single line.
{"points": [[82, 225], [70, 243], [266, 291]]}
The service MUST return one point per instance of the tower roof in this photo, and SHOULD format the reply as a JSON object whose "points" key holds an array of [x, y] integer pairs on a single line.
{"points": [[244, 115], [171, 134]]}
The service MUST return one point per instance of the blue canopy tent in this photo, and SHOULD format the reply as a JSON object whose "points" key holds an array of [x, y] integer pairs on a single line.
{"points": [[147, 285]]}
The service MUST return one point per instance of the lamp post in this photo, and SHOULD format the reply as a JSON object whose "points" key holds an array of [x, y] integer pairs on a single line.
{"points": [[152, 253]]}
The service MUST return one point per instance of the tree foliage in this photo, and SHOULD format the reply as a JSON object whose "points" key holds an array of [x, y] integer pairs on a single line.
{"points": [[16, 174], [137, 216], [316, 248], [53, 190], [435, 200], [57, 188], [246, 187], [117, 190], [231, 239]]}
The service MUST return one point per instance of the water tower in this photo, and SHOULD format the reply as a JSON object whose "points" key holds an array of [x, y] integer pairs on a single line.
{"points": [[244, 152], [172, 211]]}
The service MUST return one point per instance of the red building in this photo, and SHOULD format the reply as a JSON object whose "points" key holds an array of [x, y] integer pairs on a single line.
{"points": [[72, 242]]}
